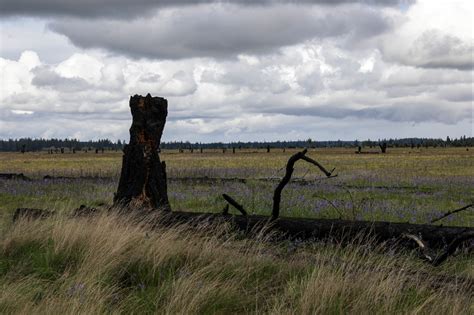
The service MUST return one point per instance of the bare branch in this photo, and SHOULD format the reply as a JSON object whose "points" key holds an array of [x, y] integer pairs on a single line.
{"points": [[452, 248], [225, 211], [235, 204], [449, 251], [289, 171], [451, 212], [310, 160], [424, 249]]}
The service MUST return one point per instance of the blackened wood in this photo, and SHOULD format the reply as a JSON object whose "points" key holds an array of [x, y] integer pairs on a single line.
{"points": [[447, 214], [438, 259], [84, 211], [289, 172], [20, 176], [143, 178], [234, 203], [343, 231], [304, 228]]}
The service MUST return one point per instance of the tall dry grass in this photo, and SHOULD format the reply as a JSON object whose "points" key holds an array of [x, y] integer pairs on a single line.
{"points": [[113, 264]]}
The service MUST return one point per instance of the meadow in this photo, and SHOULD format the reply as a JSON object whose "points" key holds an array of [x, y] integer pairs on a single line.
{"points": [[113, 264], [404, 186]]}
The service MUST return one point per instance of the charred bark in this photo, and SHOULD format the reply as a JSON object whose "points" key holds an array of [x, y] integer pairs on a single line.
{"points": [[143, 178], [19, 176], [429, 238], [235, 204], [303, 228], [289, 172]]}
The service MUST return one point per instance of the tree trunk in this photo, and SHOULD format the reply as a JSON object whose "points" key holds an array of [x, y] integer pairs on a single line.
{"points": [[143, 178]]}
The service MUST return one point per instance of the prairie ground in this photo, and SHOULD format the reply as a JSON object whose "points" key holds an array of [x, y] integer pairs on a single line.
{"points": [[405, 185], [113, 264]]}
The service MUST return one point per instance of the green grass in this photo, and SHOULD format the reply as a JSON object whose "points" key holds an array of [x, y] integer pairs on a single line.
{"points": [[404, 185], [116, 265]]}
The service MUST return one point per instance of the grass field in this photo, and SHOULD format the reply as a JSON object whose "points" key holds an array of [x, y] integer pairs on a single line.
{"points": [[117, 265], [405, 185]]}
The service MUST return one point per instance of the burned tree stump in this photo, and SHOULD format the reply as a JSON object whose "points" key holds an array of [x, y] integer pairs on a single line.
{"points": [[143, 178]]}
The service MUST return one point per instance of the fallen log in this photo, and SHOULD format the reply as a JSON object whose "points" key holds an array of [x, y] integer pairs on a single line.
{"points": [[305, 228], [428, 237], [19, 176], [301, 228]]}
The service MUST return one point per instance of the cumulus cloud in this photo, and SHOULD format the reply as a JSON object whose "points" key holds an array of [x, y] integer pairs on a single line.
{"points": [[238, 70], [435, 49], [432, 34]]}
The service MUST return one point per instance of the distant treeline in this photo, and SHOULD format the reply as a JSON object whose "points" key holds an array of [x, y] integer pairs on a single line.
{"points": [[394, 143], [28, 144]]}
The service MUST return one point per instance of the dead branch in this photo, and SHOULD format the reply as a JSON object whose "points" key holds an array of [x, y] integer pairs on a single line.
{"points": [[235, 204], [310, 160], [424, 249], [429, 255], [225, 211], [289, 172], [19, 176], [339, 212], [452, 247], [452, 212]]}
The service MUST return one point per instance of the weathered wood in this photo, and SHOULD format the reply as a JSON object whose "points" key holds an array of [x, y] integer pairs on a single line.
{"points": [[447, 214], [428, 237], [304, 228], [289, 172], [437, 259], [84, 211], [19, 176], [235, 204], [143, 178]]}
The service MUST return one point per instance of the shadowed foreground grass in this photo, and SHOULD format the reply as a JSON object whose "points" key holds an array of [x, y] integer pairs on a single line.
{"points": [[116, 265]]}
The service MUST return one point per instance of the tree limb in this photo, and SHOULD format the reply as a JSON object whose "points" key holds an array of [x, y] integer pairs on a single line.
{"points": [[449, 251], [235, 204], [289, 171], [451, 212]]}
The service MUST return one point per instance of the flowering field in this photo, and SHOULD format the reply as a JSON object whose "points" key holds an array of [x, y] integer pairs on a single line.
{"points": [[404, 185]]}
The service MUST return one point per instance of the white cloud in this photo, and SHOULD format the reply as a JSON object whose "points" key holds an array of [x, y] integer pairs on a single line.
{"points": [[433, 34], [348, 79]]}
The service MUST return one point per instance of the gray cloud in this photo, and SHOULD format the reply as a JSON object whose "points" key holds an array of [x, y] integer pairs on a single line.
{"points": [[433, 49], [222, 31], [45, 77], [436, 50], [127, 8], [404, 110]]}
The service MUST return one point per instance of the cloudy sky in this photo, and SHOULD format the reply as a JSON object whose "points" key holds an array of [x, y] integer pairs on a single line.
{"points": [[238, 70]]}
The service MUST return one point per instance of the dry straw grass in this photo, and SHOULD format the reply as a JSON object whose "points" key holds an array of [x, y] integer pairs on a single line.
{"points": [[113, 264]]}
